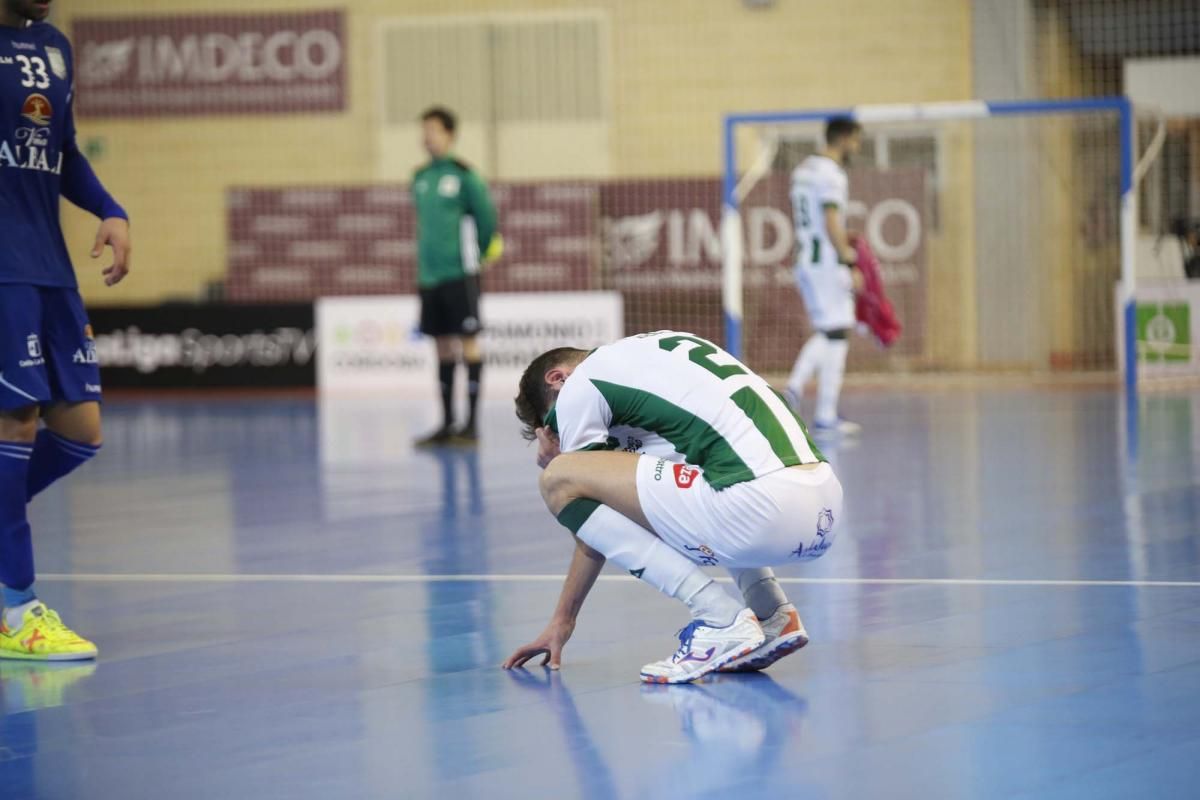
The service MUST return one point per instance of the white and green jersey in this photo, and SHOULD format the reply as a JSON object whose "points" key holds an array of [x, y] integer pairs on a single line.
{"points": [[817, 184], [677, 396]]}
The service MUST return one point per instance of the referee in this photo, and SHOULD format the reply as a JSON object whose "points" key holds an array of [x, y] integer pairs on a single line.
{"points": [[456, 223]]}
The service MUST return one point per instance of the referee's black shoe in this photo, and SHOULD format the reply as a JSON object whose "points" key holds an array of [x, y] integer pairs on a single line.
{"points": [[441, 437], [466, 436]]}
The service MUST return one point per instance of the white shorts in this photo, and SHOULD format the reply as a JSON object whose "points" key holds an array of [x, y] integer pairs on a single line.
{"points": [[785, 516], [828, 292]]}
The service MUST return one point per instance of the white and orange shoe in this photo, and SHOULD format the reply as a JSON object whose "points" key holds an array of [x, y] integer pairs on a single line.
{"points": [[785, 635]]}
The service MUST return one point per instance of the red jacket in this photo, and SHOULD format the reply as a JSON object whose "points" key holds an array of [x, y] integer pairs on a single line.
{"points": [[872, 307]]}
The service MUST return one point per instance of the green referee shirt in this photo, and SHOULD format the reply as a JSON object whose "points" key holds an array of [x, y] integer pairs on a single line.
{"points": [[455, 221]]}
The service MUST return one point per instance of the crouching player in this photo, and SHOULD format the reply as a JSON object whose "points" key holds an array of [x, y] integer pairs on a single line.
{"points": [[663, 453]]}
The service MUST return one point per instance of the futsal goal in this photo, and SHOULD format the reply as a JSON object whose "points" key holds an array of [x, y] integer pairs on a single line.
{"points": [[1002, 230]]}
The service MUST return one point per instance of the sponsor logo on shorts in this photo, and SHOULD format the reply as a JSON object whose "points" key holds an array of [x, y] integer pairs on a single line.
{"points": [[91, 388], [685, 475], [658, 469], [823, 540], [33, 346], [704, 554], [86, 354]]}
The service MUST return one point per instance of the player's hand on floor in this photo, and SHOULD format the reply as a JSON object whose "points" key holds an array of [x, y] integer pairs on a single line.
{"points": [[547, 446], [114, 233], [549, 645]]}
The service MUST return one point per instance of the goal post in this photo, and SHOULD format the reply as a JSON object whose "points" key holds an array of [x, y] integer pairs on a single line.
{"points": [[1110, 132]]}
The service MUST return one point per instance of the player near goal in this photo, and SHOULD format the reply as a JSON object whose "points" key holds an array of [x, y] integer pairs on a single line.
{"points": [[48, 368], [456, 232], [825, 272], [662, 453]]}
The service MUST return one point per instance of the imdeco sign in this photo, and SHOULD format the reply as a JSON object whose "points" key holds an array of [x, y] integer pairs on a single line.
{"points": [[211, 64]]}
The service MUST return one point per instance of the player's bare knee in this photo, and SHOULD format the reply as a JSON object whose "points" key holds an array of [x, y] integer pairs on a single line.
{"points": [[556, 485], [19, 425]]}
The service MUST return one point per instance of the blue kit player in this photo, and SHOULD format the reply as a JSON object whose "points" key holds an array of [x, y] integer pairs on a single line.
{"points": [[48, 369]]}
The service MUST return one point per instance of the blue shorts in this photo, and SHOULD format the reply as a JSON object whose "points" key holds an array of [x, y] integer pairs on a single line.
{"points": [[47, 353]]}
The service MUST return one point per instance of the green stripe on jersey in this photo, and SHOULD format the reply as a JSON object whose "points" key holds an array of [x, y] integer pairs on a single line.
{"points": [[610, 444], [816, 451], [749, 401], [699, 442]]}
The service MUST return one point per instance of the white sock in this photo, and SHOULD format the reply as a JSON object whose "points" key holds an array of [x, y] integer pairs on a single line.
{"points": [[15, 615], [632, 547], [806, 363], [760, 589], [829, 388]]}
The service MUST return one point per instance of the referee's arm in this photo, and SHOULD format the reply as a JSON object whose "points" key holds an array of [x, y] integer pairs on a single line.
{"points": [[483, 211]]}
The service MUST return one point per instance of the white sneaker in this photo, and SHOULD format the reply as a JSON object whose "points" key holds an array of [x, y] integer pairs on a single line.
{"points": [[843, 427], [704, 648], [785, 634]]}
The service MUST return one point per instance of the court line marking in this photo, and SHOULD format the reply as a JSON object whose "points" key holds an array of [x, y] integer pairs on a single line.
{"points": [[216, 577]]}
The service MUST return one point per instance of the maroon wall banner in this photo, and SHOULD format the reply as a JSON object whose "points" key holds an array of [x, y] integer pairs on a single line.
{"points": [[261, 63], [657, 241], [300, 243], [663, 252]]}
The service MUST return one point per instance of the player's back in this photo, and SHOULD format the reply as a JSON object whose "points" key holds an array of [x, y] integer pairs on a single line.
{"points": [[708, 405], [817, 183], [35, 94]]}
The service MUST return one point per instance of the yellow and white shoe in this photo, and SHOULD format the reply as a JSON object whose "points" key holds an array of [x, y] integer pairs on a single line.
{"points": [[42, 636]]}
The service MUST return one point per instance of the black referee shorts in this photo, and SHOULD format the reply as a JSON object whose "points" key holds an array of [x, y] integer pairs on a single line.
{"points": [[451, 308]]}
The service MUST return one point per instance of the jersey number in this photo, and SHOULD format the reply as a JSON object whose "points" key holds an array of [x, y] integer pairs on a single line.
{"points": [[751, 399], [806, 224], [701, 355], [34, 70]]}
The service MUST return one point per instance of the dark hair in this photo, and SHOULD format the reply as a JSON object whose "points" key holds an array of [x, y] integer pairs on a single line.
{"points": [[838, 128], [534, 395], [443, 115]]}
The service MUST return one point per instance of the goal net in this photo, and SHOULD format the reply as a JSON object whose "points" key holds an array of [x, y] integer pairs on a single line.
{"points": [[998, 229]]}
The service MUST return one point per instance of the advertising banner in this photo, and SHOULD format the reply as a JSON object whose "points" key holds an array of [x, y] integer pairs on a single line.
{"points": [[662, 250], [1167, 321], [263, 63], [210, 345], [372, 343]]}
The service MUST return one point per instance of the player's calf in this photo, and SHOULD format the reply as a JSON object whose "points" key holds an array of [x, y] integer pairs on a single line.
{"points": [[55, 457]]}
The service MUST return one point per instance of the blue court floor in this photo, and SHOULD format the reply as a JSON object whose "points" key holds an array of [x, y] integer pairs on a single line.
{"points": [[292, 603]]}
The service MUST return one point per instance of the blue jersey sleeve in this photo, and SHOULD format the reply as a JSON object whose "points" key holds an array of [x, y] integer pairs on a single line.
{"points": [[80, 184]]}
